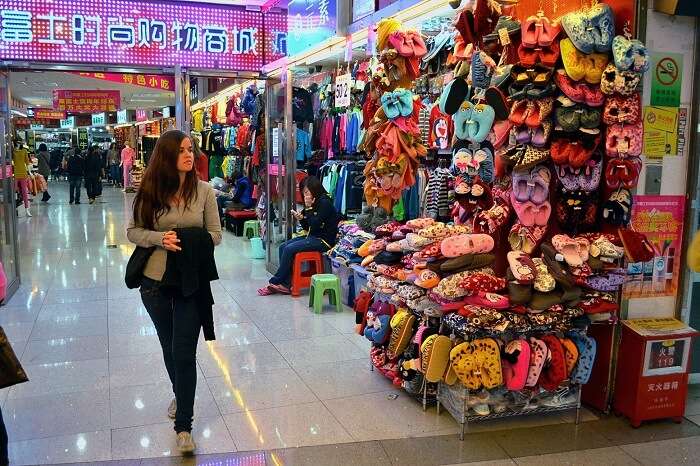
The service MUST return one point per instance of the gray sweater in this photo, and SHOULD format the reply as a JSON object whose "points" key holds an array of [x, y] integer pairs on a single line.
{"points": [[202, 212]]}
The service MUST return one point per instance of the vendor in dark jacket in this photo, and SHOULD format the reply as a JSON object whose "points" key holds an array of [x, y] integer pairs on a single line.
{"points": [[320, 219]]}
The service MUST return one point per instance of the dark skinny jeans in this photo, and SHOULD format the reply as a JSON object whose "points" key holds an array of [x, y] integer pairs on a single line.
{"points": [[75, 182], [178, 325]]}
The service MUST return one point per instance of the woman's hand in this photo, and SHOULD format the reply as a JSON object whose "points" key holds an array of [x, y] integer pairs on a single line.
{"points": [[170, 241], [297, 215]]}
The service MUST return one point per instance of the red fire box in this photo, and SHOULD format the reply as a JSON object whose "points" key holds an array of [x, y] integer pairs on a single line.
{"points": [[652, 369]]}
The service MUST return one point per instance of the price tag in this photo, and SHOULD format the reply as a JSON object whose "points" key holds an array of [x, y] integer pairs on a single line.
{"points": [[342, 90]]}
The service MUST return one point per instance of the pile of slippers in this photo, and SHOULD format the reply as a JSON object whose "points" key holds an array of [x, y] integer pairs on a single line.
{"points": [[546, 144]]}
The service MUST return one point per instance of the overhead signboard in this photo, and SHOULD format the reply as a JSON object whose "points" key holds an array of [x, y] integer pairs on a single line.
{"points": [[152, 81], [35, 126], [166, 112], [68, 122], [83, 139], [141, 115], [361, 9], [122, 117], [98, 119], [310, 23], [47, 114], [86, 101], [144, 32]]}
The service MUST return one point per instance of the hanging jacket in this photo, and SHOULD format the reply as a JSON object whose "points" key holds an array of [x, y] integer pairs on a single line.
{"points": [[248, 103], [243, 192]]}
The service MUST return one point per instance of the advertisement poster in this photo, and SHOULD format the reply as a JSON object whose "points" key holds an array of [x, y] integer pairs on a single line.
{"points": [[310, 22], [660, 131], [660, 218], [86, 101], [666, 78]]}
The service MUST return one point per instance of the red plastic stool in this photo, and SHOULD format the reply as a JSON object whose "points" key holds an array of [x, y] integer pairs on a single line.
{"points": [[302, 279]]}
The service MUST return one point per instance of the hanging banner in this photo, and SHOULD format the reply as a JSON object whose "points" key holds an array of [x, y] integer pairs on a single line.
{"points": [[660, 131], [310, 22], [144, 32], [151, 81], [666, 79], [660, 218], [86, 101], [83, 139]]}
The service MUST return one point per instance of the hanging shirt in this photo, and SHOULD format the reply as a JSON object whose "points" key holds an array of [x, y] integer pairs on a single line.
{"points": [[303, 146], [441, 130]]}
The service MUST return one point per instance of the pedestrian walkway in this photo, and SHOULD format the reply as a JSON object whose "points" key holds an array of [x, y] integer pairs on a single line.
{"points": [[277, 377]]}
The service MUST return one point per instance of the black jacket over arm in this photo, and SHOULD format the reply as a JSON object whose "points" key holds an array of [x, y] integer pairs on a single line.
{"points": [[321, 221], [191, 271]]}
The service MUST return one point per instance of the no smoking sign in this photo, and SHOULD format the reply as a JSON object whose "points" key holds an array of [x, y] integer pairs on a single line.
{"points": [[666, 79]]}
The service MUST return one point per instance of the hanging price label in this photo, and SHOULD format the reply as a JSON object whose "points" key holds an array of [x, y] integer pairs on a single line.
{"points": [[343, 85]]}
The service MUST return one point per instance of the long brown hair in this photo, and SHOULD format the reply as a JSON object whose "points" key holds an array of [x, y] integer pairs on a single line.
{"points": [[161, 181]]}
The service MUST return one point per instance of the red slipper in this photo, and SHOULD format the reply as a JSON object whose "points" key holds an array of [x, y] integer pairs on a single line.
{"points": [[281, 289]]}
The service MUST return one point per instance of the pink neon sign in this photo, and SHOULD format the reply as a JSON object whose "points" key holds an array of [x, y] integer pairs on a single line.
{"points": [[145, 32]]}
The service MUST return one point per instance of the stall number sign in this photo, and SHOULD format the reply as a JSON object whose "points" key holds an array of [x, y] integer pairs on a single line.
{"points": [[342, 90], [166, 112], [83, 139], [35, 126], [68, 122], [122, 117], [98, 119]]}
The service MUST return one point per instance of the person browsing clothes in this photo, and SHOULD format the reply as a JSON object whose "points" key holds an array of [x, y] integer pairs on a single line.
{"points": [[320, 219]]}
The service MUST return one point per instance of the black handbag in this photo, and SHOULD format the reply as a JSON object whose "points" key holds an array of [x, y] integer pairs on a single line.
{"points": [[11, 371], [134, 268]]}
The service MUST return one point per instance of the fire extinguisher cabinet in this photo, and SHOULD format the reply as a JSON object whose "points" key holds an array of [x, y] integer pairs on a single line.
{"points": [[652, 369]]}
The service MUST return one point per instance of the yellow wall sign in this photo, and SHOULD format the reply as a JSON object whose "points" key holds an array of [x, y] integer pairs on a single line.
{"points": [[660, 131]]}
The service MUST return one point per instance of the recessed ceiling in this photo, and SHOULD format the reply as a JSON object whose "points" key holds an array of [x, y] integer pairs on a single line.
{"points": [[36, 89]]}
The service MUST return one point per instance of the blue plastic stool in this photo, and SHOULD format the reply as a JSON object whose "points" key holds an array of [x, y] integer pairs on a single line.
{"points": [[256, 248]]}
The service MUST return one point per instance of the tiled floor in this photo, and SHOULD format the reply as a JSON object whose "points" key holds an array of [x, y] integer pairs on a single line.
{"points": [[277, 377]]}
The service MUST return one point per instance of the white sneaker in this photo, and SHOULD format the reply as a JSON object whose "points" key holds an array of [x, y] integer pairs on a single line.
{"points": [[29, 212], [185, 442], [172, 409]]}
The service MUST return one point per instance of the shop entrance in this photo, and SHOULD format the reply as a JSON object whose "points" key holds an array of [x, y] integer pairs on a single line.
{"points": [[86, 112]]}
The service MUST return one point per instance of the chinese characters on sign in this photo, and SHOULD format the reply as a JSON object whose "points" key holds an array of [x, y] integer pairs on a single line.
{"points": [[146, 32], [666, 78], [660, 131], [660, 218], [152, 81], [48, 114], [86, 101]]}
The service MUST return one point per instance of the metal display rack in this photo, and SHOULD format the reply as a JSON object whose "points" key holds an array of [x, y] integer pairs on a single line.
{"points": [[455, 399]]}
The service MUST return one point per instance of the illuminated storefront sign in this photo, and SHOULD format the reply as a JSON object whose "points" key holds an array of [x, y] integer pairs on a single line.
{"points": [[147, 32], [122, 117], [46, 114], [98, 119], [151, 81], [68, 122], [86, 101], [310, 22]]}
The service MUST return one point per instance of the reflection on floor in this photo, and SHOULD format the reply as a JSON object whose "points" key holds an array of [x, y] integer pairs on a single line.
{"points": [[277, 376]]}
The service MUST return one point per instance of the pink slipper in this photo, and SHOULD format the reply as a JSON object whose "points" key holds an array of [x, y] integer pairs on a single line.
{"points": [[571, 249], [524, 270], [490, 300], [280, 289], [265, 291]]}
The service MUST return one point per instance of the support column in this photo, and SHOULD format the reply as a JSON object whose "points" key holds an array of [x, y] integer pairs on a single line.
{"points": [[182, 100]]}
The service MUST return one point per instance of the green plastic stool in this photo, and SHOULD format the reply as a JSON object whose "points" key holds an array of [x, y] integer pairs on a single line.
{"points": [[320, 283], [251, 229]]}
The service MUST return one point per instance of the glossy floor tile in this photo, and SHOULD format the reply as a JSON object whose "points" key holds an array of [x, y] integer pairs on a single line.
{"points": [[278, 377]]}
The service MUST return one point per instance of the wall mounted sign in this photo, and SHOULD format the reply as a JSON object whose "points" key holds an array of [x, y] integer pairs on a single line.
{"points": [[145, 32], [151, 81], [310, 22], [86, 101], [141, 115], [35, 126], [666, 79], [343, 84]]}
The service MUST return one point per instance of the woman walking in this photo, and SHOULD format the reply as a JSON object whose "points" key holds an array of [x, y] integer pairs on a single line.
{"points": [[93, 171], [44, 168], [175, 214], [20, 166]]}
